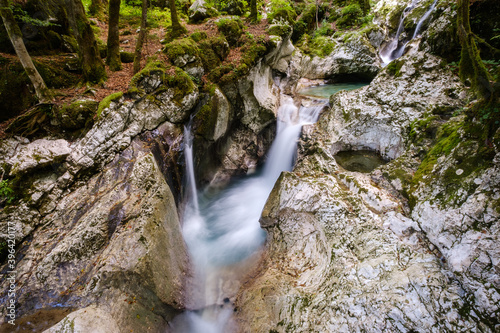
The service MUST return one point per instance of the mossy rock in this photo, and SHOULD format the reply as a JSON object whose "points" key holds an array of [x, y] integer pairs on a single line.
{"points": [[394, 67], [126, 57], [16, 92], [69, 44], [213, 51], [103, 48], [350, 15], [286, 14], [106, 101], [281, 30], [232, 28], [198, 36], [78, 114], [138, 82], [206, 119], [180, 51]]}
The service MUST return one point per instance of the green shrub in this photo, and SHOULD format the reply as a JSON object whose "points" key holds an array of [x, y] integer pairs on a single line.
{"points": [[351, 15], [282, 10], [6, 192]]}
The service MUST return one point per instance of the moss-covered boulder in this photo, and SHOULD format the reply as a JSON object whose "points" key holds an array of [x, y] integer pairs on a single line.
{"points": [[232, 28], [126, 57], [212, 120], [16, 92], [201, 10], [180, 52], [76, 115]]}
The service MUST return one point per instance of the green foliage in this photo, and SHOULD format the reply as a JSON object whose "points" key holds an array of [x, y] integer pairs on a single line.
{"points": [[351, 15], [7, 192], [23, 16], [282, 10], [157, 17], [317, 45]]}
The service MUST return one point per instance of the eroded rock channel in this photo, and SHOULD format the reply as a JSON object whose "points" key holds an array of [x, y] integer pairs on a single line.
{"points": [[263, 205]]}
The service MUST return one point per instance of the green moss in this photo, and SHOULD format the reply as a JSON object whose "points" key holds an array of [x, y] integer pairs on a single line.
{"points": [[206, 119], [76, 115], [198, 36], [461, 144], [181, 47], [180, 82], [286, 14], [231, 28], [152, 67], [107, 101], [394, 68], [281, 30], [126, 57]]}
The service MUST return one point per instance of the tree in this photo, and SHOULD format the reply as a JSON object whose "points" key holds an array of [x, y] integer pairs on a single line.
{"points": [[140, 38], [176, 29], [253, 10], [471, 66], [16, 39], [113, 59], [98, 8], [91, 63]]}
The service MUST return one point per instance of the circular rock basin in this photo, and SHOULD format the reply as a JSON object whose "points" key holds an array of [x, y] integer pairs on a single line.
{"points": [[359, 160], [326, 90]]}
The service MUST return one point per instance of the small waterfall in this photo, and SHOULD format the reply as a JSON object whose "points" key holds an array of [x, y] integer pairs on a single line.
{"points": [[188, 155], [423, 19], [395, 48], [223, 232]]}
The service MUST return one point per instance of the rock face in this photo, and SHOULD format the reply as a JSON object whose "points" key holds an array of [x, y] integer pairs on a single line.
{"points": [[99, 224], [377, 116], [104, 241], [346, 253], [38, 154]]}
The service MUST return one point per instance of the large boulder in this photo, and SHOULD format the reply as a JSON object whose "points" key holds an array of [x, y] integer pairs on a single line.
{"points": [[114, 239], [201, 10]]}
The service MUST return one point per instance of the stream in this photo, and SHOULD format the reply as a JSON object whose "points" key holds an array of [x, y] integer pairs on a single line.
{"points": [[221, 227]]}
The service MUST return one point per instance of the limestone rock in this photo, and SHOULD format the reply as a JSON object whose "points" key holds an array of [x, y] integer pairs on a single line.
{"points": [[38, 154], [376, 116], [200, 10], [114, 237], [90, 319]]}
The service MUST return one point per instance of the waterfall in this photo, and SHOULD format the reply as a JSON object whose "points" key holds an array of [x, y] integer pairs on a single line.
{"points": [[223, 232], [423, 19], [395, 49], [188, 155]]}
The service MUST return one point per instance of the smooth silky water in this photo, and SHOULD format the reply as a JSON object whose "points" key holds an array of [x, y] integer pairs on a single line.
{"points": [[326, 90], [222, 230]]}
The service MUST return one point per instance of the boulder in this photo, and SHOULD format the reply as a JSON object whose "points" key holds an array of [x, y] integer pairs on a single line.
{"points": [[200, 10], [37, 154]]}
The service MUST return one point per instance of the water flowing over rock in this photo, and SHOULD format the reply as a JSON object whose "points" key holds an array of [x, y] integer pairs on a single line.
{"points": [[343, 254]]}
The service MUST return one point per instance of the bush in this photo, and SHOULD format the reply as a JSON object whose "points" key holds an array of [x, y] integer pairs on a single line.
{"points": [[351, 15], [282, 10]]}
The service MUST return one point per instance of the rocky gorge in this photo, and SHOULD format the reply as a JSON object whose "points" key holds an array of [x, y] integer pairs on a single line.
{"points": [[411, 246]]}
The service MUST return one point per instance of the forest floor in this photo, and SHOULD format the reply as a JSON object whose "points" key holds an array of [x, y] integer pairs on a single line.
{"points": [[119, 80]]}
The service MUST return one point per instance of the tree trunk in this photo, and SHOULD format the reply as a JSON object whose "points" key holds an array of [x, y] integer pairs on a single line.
{"points": [[177, 28], [113, 59], [98, 8], [253, 10], [471, 66], [16, 39], [92, 65], [140, 39]]}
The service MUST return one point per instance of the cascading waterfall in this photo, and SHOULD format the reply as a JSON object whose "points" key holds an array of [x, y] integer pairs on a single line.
{"points": [[423, 19], [222, 230], [395, 49], [188, 149]]}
